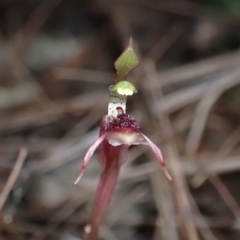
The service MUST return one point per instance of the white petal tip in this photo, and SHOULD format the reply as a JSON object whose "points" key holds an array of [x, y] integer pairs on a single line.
{"points": [[78, 179], [167, 174]]}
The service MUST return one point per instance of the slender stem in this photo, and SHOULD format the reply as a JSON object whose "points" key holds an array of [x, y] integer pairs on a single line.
{"points": [[105, 188]]}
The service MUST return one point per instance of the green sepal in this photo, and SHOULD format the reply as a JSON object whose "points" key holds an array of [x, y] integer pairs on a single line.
{"points": [[126, 62]]}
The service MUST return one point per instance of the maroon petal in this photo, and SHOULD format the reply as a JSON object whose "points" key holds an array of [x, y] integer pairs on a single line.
{"points": [[159, 156], [88, 156]]}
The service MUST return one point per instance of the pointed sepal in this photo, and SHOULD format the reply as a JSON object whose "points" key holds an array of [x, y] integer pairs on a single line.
{"points": [[88, 156], [126, 62], [159, 156]]}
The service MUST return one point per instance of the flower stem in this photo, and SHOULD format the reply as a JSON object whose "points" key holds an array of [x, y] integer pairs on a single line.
{"points": [[105, 188]]}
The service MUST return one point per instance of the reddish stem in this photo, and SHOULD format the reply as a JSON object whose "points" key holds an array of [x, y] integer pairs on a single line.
{"points": [[106, 186]]}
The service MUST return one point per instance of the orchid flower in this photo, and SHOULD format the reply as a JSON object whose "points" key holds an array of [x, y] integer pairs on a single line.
{"points": [[118, 131]]}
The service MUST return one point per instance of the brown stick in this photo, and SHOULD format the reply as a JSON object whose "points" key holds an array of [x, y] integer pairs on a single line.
{"points": [[13, 176]]}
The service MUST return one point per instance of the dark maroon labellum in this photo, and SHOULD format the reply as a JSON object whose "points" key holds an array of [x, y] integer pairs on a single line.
{"points": [[123, 122]]}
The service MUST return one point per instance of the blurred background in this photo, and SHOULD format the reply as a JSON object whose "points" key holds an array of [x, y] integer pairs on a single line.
{"points": [[56, 64]]}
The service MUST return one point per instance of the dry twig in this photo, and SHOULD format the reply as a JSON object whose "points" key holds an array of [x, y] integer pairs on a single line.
{"points": [[13, 176]]}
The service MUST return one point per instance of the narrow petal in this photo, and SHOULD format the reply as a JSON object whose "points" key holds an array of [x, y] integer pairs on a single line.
{"points": [[88, 156], [159, 156]]}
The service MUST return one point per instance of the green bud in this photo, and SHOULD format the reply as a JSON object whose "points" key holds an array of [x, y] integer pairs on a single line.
{"points": [[126, 62], [124, 88]]}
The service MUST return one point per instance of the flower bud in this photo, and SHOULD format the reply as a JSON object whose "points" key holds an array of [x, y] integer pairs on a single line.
{"points": [[126, 62]]}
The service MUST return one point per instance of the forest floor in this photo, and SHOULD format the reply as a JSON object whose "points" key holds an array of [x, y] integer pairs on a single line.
{"points": [[56, 64]]}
